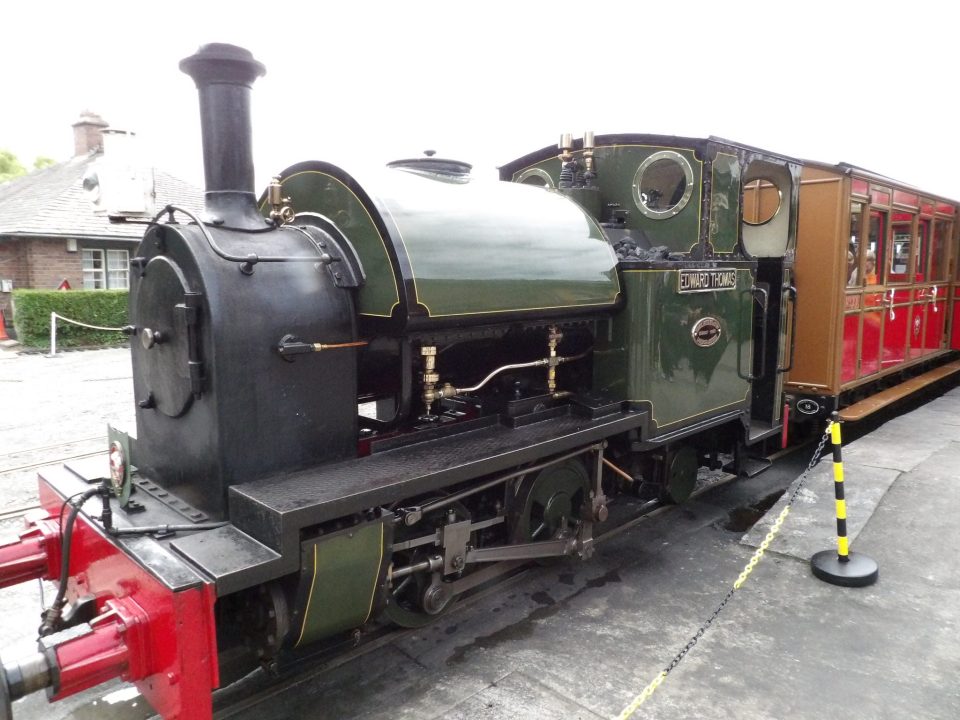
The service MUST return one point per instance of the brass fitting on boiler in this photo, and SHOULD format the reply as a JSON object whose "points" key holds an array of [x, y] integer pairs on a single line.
{"points": [[554, 336], [430, 376], [565, 146], [281, 213], [438, 393], [588, 147]]}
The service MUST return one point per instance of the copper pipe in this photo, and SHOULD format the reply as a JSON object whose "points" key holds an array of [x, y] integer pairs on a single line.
{"points": [[626, 476], [317, 347]]}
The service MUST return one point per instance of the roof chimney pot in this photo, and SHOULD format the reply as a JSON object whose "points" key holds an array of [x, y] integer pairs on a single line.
{"points": [[88, 133]]}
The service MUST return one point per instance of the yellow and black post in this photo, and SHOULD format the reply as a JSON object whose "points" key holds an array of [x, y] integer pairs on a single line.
{"points": [[842, 567]]}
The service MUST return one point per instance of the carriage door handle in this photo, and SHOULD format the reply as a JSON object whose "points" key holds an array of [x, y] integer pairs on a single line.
{"points": [[933, 298], [893, 313]]}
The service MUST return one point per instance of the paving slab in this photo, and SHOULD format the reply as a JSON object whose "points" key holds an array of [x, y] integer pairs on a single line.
{"points": [[517, 695], [811, 525]]}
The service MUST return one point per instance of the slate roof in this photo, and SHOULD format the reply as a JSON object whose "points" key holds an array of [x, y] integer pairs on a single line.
{"points": [[50, 203]]}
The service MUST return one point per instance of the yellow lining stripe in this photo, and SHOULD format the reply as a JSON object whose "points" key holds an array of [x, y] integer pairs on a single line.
{"points": [[746, 393], [396, 288], [376, 577], [843, 548], [695, 415], [430, 313], [838, 472], [313, 582], [306, 610]]}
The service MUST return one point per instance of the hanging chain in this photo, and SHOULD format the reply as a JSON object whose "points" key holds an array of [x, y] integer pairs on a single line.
{"points": [[757, 556]]}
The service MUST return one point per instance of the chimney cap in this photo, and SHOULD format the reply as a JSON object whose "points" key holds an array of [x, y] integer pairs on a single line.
{"points": [[221, 63], [88, 117]]}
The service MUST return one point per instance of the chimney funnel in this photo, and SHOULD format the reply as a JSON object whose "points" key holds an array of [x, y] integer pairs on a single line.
{"points": [[224, 75]]}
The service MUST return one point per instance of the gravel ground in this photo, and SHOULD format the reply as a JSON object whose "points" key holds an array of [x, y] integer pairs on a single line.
{"points": [[55, 408]]}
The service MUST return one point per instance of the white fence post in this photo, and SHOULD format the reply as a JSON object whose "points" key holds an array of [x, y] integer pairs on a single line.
{"points": [[53, 330], [53, 334]]}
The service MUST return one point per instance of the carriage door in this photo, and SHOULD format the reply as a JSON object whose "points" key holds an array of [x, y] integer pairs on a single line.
{"points": [[938, 292], [769, 235]]}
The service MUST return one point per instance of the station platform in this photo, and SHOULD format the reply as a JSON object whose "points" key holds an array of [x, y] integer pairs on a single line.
{"points": [[580, 640]]}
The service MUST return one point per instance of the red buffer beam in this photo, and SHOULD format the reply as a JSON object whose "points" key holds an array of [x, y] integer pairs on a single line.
{"points": [[143, 631]]}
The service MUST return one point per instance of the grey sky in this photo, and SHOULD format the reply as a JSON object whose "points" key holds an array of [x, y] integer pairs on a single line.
{"points": [[872, 84]]}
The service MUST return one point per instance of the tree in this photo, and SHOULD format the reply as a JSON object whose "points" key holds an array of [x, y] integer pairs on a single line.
{"points": [[43, 161], [10, 167]]}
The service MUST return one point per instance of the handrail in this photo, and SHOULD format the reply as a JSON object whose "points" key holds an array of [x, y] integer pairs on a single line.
{"points": [[791, 292], [750, 377]]}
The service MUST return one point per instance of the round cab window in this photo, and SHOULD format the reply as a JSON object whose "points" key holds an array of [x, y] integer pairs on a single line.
{"points": [[663, 185], [761, 201]]}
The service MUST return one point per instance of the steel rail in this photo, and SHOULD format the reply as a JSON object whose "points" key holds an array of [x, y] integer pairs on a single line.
{"points": [[101, 438], [54, 461]]}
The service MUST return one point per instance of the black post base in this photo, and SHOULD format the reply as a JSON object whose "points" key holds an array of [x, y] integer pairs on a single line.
{"points": [[858, 571]]}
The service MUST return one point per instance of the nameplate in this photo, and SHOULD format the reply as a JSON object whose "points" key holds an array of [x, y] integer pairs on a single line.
{"points": [[694, 281]]}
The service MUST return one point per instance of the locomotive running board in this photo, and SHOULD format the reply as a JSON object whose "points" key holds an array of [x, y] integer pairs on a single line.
{"points": [[275, 510]]}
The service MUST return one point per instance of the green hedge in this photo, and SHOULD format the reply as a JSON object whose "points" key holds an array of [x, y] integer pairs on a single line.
{"points": [[32, 308]]}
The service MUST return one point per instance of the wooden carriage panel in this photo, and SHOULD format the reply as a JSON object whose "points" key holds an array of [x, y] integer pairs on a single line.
{"points": [[870, 345], [955, 329], [851, 347], [895, 328], [935, 326], [821, 267]]}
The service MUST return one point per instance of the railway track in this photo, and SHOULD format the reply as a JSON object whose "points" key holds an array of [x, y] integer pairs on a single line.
{"points": [[65, 443], [236, 699], [261, 688], [14, 513]]}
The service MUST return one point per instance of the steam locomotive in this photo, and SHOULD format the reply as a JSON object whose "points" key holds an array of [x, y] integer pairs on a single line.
{"points": [[359, 398]]}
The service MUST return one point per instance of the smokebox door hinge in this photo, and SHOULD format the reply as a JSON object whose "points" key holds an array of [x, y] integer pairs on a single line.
{"points": [[190, 309]]}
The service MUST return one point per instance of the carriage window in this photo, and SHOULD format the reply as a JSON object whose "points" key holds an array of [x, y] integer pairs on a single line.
{"points": [[938, 251], [854, 248], [761, 201], [923, 250], [875, 247], [663, 184], [902, 245]]}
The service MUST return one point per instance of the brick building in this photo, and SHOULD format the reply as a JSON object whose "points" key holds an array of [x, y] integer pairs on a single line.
{"points": [[50, 234]]}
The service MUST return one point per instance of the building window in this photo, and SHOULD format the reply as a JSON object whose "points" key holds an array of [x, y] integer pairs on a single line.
{"points": [[118, 269], [112, 271], [93, 276]]}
